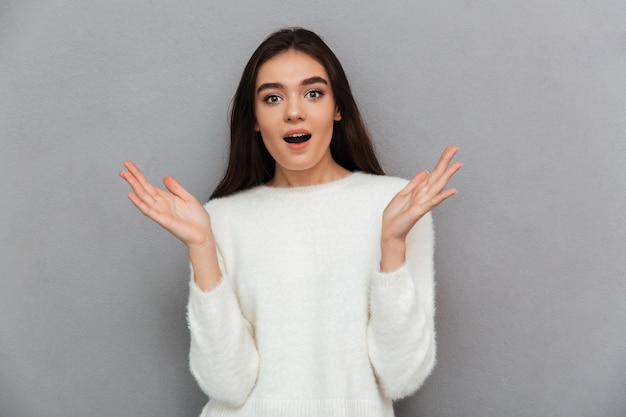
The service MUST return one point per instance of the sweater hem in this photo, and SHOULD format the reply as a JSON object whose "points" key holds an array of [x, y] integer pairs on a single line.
{"points": [[255, 407]]}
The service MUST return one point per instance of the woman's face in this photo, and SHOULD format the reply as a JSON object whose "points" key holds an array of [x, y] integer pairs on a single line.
{"points": [[295, 109]]}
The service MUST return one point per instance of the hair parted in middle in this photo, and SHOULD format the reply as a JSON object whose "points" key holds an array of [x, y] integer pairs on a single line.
{"points": [[249, 162]]}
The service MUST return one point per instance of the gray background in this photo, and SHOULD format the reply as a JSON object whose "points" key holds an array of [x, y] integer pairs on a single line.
{"points": [[530, 255]]}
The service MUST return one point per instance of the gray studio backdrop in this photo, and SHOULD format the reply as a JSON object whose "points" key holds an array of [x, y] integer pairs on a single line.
{"points": [[530, 255]]}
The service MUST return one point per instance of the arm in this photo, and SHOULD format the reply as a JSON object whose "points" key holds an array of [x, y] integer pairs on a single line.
{"points": [[223, 356], [401, 338], [401, 334]]}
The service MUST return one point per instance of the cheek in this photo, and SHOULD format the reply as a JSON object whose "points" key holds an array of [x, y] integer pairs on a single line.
{"points": [[264, 120], [261, 117]]}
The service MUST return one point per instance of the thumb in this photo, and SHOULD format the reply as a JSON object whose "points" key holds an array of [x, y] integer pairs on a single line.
{"points": [[175, 188]]}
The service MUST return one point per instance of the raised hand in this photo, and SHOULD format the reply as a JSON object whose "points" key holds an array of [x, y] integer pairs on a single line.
{"points": [[176, 210], [423, 193]]}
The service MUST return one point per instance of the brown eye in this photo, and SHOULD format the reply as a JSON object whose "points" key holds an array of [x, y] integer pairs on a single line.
{"points": [[271, 99], [314, 94]]}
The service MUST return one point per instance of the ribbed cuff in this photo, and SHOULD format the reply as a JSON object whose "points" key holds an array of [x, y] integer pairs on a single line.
{"points": [[208, 300], [395, 278]]}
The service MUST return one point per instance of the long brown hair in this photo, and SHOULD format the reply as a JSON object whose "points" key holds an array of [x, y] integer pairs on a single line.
{"points": [[249, 162]]}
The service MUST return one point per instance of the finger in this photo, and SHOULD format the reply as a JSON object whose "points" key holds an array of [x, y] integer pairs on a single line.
{"points": [[138, 182], [144, 208], [176, 188], [434, 201], [447, 194], [137, 188], [444, 162], [444, 195], [141, 178], [414, 182], [443, 180], [431, 191]]}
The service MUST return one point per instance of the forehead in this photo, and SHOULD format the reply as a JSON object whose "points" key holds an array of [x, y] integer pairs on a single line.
{"points": [[290, 67]]}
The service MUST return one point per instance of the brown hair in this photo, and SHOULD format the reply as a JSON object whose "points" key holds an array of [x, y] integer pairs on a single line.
{"points": [[249, 162]]}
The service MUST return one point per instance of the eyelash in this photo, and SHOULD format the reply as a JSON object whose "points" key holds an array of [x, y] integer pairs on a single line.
{"points": [[269, 99], [319, 93]]}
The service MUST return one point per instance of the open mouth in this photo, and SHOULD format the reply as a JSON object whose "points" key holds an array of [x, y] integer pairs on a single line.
{"points": [[297, 138]]}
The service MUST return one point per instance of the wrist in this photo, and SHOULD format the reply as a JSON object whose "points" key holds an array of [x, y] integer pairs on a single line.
{"points": [[392, 254], [206, 270], [201, 245]]}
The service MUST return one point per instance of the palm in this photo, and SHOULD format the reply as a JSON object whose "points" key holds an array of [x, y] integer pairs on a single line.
{"points": [[422, 194], [174, 209]]}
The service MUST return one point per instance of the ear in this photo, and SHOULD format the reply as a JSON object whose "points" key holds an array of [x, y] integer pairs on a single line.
{"points": [[337, 114], [256, 127]]}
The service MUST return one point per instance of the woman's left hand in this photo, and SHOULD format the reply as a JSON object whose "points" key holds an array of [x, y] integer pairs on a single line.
{"points": [[422, 194]]}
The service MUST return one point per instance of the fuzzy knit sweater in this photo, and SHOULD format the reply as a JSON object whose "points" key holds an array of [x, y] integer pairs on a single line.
{"points": [[303, 323]]}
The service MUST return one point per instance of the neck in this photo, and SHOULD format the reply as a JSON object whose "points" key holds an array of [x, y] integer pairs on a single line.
{"points": [[288, 178]]}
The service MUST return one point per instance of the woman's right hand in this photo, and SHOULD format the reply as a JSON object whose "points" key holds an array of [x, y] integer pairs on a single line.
{"points": [[176, 210]]}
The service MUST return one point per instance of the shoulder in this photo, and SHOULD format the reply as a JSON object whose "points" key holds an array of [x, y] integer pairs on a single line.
{"points": [[386, 181], [232, 201], [384, 184]]}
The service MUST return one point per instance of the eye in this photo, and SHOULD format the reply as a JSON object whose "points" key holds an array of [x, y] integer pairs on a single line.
{"points": [[314, 94], [272, 99]]}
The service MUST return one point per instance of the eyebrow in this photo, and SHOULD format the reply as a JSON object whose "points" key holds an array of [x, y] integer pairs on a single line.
{"points": [[306, 81]]}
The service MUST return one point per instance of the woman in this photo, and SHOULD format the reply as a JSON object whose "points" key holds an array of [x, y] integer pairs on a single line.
{"points": [[312, 273]]}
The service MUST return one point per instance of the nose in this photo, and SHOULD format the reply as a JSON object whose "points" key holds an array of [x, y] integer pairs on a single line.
{"points": [[294, 110]]}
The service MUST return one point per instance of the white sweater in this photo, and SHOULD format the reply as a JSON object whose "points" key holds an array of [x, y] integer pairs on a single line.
{"points": [[303, 323]]}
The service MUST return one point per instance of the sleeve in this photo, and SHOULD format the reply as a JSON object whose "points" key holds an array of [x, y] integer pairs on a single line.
{"points": [[223, 356], [401, 333]]}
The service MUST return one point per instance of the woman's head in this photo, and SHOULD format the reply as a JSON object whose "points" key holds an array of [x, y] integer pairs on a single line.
{"points": [[249, 162]]}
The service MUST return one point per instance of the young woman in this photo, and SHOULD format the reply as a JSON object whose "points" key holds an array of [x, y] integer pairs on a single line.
{"points": [[312, 273]]}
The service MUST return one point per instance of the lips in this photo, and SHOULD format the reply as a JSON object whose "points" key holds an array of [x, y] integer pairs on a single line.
{"points": [[299, 136]]}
